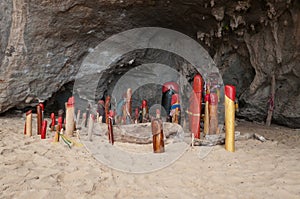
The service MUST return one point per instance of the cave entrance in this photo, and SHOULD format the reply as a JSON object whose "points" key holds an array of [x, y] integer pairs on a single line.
{"points": [[142, 57], [151, 92]]}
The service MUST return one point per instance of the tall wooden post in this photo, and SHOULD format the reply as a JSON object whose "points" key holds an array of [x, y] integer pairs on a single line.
{"points": [[52, 126], [57, 131], [206, 115], [70, 117], [60, 119], [42, 109], [28, 125], [195, 106], [39, 119], [44, 129], [128, 106], [213, 114], [229, 118]]}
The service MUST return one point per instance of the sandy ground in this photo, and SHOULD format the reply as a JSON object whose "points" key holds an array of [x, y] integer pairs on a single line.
{"points": [[35, 168]]}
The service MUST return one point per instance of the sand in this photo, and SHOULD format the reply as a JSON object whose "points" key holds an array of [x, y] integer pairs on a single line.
{"points": [[35, 168]]}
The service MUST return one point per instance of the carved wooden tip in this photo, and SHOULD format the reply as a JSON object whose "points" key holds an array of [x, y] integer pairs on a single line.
{"points": [[156, 126], [71, 102], [170, 85], [230, 92], [42, 106], [213, 99], [144, 103], [198, 83]]}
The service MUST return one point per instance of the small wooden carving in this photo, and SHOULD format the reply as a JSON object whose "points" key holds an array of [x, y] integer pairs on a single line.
{"points": [[158, 136]]}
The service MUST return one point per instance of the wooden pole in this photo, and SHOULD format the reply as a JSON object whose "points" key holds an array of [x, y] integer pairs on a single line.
{"points": [[157, 136], [107, 107], [52, 126], [39, 119], [110, 127], [229, 118], [206, 115], [44, 129], [128, 106], [60, 119], [57, 131], [213, 114], [271, 101], [70, 117], [42, 109], [195, 106], [29, 123]]}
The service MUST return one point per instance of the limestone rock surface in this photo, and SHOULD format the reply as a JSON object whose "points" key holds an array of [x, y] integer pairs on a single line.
{"points": [[43, 43]]}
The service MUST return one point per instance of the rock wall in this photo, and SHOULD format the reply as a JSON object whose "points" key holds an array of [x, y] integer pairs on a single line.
{"points": [[42, 44]]}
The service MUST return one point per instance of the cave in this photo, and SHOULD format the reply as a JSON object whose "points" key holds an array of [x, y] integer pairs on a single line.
{"points": [[44, 44], [51, 50]]}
